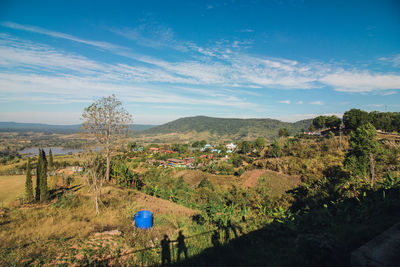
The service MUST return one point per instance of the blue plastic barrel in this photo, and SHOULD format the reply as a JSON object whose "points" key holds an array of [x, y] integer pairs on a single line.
{"points": [[144, 219]]}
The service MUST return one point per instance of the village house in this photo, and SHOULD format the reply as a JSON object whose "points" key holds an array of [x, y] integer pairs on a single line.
{"points": [[154, 149], [231, 147]]}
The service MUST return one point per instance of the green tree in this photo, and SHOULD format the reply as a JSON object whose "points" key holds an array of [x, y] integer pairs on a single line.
{"points": [[38, 172], [44, 193], [132, 146], [354, 118], [245, 147], [319, 122], [106, 119], [283, 132], [28, 183], [332, 122], [51, 162], [360, 160], [259, 143], [276, 151]]}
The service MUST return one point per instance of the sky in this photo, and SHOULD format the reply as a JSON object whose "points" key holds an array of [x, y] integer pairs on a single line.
{"points": [[287, 60]]}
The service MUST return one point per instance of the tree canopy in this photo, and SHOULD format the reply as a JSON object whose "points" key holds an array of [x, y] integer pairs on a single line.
{"points": [[106, 119]]}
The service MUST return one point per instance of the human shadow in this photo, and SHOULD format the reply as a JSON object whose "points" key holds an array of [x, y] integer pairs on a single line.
{"points": [[325, 235], [181, 246], [165, 250]]}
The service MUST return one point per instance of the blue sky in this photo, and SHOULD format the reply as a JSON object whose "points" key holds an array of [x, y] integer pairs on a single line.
{"points": [[288, 60]]}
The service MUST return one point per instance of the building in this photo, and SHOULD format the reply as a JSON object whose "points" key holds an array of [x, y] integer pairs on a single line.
{"points": [[231, 146]]}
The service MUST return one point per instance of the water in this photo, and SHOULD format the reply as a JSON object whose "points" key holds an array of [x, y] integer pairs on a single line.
{"points": [[33, 151]]}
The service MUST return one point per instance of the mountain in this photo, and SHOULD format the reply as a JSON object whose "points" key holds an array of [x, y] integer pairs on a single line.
{"points": [[66, 129], [216, 128]]}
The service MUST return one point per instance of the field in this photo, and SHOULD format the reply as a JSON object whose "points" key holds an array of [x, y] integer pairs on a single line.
{"points": [[11, 187], [67, 229]]}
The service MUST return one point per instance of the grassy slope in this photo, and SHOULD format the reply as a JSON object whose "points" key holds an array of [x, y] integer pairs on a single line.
{"points": [[194, 177], [228, 128], [64, 229], [11, 187], [279, 183]]}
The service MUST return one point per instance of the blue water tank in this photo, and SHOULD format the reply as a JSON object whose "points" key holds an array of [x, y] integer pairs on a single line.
{"points": [[144, 219]]}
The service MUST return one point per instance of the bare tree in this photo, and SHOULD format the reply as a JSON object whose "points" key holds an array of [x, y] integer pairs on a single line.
{"points": [[106, 119], [94, 175]]}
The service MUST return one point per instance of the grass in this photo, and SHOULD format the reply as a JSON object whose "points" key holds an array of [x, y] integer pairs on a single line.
{"points": [[63, 231], [11, 187]]}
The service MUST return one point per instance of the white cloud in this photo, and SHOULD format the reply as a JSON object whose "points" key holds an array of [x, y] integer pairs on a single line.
{"points": [[299, 102], [346, 81], [284, 101], [296, 117], [320, 103], [54, 117], [103, 45], [395, 60], [247, 30]]}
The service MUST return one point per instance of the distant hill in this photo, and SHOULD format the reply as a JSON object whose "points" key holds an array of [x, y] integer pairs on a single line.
{"points": [[39, 127], [215, 128]]}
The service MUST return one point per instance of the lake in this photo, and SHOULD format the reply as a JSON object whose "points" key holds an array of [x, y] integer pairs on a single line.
{"points": [[33, 151]]}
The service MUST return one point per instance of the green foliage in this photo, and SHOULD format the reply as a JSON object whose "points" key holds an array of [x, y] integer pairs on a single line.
{"points": [[180, 148], [28, 183], [38, 175], [245, 147], [205, 183], [132, 146], [237, 160], [199, 144], [51, 161], [44, 192], [121, 173], [354, 118], [239, 172], [390, 181], [275, 149], [322, 122], [283, 132], [259, 143], [236, 128], [363, 144]]}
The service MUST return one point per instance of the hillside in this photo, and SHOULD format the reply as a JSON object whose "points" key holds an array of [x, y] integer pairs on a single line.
{"points": [[67, 129], [230, 128]]}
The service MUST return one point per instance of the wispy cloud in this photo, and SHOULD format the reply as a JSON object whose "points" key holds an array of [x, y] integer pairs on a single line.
{"points": [[346, 81], [284, 102], [395, 60], [221, 65], [247, 30], [103, 45], [318, 102]]}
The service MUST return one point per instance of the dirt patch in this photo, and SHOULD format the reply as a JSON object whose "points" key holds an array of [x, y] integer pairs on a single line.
{"points": [[194, 177], [67, 171], [160, 206], [279, 182]]}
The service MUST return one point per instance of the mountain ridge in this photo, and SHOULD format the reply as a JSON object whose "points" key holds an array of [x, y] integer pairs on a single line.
{"points": [[52, 128], [232, 128]]}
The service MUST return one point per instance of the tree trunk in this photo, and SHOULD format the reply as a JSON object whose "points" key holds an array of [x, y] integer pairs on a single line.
{"points": [[108, 165], [97, 204], [372, 169]]}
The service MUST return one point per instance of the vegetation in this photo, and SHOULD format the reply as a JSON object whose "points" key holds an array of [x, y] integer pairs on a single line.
{"points": [[28, 183], [299, 200], [229, 128], [106, 119]]}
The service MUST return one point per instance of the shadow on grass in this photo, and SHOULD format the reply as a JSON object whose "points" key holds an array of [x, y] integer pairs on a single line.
{"points": [[323, 236], [56, 193]]}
